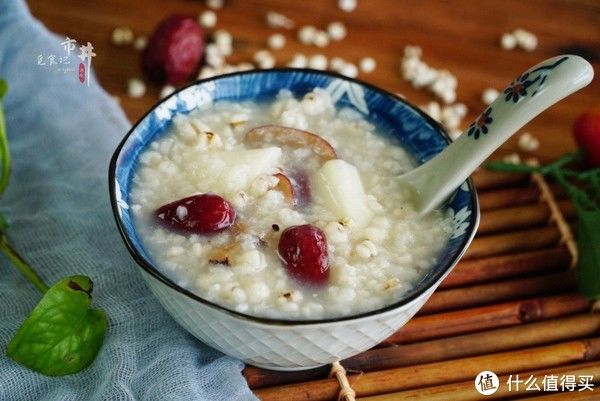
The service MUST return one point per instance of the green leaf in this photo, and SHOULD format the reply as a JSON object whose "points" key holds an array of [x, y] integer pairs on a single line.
{"points": [[3, 224], [62, 335], [3, 88], [4, 151], [588, 244]]}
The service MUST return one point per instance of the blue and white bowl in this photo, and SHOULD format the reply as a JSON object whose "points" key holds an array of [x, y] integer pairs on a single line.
{"points": [[275, 343]]}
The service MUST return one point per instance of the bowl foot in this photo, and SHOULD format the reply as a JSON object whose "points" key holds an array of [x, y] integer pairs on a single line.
{"points": [[283, 368]]}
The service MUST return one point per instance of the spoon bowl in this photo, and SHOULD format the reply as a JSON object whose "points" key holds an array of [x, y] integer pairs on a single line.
{"points": [[527, 96]]}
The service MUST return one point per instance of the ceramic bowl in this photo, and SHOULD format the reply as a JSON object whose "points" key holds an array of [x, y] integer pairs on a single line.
{"points": [[274, 343]]}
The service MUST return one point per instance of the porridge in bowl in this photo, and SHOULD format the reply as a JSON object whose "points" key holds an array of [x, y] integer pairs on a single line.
{"points": [[284, 209]]}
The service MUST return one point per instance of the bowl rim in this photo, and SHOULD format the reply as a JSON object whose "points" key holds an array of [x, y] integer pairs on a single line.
{"points": [[425, 285]]}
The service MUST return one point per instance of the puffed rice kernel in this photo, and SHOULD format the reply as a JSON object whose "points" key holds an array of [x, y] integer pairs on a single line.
{"points": [[349, 70], [208, 19], [298, 61], [508, 41], [347, 5], [136, 88], [489, 95], [276, 41], [122, 36], [321, 39], [336, 30], [512, 158], [166, 91], [215, 4], [140, 43], [317, 61], [224, 41], [277, 20], [367, 65], [306, 34]]}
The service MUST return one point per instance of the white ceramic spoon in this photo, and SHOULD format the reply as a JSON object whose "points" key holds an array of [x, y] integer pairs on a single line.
{"points": [[531, 93]]}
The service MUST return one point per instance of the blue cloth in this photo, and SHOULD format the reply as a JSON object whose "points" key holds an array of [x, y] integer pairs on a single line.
{"points": [[62, 134]]}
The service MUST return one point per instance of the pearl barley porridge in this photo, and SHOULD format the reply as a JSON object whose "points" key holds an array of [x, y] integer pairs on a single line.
{"points": [[284, 209]]}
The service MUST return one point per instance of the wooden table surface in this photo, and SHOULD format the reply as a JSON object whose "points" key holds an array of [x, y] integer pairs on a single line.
{"points": [[460, 38]]}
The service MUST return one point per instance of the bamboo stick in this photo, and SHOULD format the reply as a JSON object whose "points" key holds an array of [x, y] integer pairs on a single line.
{"points": [[506, 197], [432, 374], [485, 179], [465, 391], [504, 339], [442, 325], [521, 216], [482, 294], [522, 240], [571, 396], [488, 317], [497, 267]]}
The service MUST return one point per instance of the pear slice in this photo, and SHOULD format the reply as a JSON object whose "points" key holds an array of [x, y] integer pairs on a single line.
{"points": [[286, 136], [337, 185], [224, 172]]}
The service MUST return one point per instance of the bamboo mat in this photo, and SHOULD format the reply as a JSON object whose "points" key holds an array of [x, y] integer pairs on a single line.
{"points": [[510, 306]]}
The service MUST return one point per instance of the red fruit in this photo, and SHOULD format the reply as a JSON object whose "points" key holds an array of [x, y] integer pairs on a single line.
{"points": [[202, 214], [174, 51], [304, 252], [587, 135]]}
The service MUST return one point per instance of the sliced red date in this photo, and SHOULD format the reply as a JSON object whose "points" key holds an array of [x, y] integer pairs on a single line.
{"points": [[286, 136], [285, 186], [294, 187]]}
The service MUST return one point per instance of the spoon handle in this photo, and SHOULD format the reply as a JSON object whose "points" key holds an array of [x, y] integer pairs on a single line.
{"points": [[527, 96]]}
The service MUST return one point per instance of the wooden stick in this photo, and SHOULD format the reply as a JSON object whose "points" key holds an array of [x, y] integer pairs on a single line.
{"points": [[506, 197], [465, 391], [486, 179], [432, 374], [523, 216], [443, 325], [497, 267], [528, 335], [488, 317], [523, 240], [482, 294]]}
